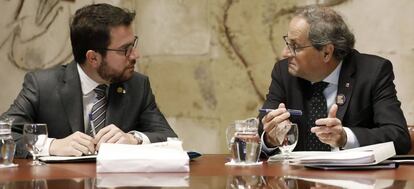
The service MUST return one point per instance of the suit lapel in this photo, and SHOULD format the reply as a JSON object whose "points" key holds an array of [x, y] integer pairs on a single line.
{"points": [[299, 96], [345, 85], [71, 97], [117, 100]]}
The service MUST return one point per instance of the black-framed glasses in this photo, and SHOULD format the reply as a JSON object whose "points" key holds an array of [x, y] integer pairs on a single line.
{"points": [[293, 48], [127, 50]]}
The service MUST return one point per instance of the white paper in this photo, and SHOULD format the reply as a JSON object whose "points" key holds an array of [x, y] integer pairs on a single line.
{"points": [[367, 155], [157, 157], [297, 154], [382, 151], [341, 157]]}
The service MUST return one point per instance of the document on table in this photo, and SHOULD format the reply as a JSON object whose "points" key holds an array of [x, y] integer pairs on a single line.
{"points": [[68, 159], [92, 158], [367, 155]]}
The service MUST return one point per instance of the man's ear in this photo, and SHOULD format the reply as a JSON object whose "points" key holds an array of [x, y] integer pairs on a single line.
{"points": [[92, 58], [328, 51]]}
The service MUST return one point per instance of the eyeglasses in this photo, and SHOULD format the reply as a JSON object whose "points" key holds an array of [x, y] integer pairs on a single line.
{"points": [[127, 50], [293, 48]]}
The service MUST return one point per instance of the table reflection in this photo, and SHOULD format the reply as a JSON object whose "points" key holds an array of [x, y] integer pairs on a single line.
{"points": [[35, 184], [185, 181], [109, 180], [239, 182], [294, 182]]}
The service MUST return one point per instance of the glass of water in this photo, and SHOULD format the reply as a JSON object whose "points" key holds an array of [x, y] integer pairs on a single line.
{"points": [[290, 139], [244, 141], [7, 145], [35, 136]]}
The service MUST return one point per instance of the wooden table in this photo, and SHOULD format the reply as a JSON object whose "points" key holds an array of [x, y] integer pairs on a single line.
{"points": [[207, 171]]}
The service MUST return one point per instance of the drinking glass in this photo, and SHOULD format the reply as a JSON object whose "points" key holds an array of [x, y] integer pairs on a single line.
{"points": [[7, 144], [35, 136], [290, 139], [244, 141]]}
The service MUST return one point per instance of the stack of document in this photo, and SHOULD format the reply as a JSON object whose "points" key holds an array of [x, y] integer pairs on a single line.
{"points": [[156, 157], [367, 155], [339, 158]]}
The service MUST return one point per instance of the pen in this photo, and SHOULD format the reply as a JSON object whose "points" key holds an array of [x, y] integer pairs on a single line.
{"points": [[92, 125], [291, 111]]}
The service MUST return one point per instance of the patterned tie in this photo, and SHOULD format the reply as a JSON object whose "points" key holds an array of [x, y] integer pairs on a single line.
{"points": [[98, 111], [316, 109]]}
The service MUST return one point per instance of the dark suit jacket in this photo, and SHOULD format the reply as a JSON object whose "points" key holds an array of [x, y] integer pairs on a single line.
{"points": [[371, 108], [54, 97]]}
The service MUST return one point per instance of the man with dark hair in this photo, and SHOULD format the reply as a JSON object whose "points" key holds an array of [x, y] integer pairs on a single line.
{"points": [[348, 99], [98, 98]]}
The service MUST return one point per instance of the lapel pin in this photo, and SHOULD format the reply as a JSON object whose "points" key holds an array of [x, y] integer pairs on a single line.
{"points": [[347, 85], [120, 90], [340, 99]]}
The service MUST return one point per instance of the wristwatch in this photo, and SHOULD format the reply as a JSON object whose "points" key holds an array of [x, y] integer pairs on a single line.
{"points": [[137, 135]]}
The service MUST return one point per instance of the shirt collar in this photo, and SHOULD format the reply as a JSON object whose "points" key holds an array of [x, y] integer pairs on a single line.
{"points": [[334, 76], [87, 83]]}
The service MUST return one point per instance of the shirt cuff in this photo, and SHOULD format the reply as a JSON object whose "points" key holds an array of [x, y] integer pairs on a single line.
{"points": [[45, 150], [265, 148], [144, 138], [351, 139]]}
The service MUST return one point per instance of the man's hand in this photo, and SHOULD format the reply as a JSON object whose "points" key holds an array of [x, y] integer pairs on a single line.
{"points": [[330, 130], [75, 144], [271, 123], [112, 134]]}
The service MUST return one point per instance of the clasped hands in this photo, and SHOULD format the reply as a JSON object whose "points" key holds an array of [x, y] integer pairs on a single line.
{"points": [[328, 130], [78, 143]]}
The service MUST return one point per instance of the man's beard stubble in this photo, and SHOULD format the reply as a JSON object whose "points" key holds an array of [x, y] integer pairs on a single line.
{"points": [[105, 74]]}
